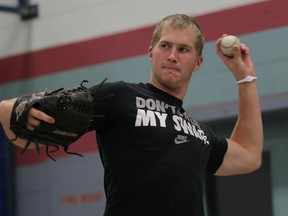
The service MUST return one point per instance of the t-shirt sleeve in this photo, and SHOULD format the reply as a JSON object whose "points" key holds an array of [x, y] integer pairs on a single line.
{"points": [[105, 104], [219, 147]]}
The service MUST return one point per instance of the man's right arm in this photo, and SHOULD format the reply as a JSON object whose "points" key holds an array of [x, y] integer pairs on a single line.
{"points": [[6, 107], [34, 118]]}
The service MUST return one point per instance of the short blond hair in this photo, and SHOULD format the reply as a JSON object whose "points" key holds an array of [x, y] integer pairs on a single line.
{"points": [[179, 21]]}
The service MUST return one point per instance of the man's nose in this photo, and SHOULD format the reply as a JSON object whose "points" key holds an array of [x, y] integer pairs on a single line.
{"points": [[172, 55]]}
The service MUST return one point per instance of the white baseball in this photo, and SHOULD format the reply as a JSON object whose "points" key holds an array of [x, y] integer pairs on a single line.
{"points": [[227, 44]]}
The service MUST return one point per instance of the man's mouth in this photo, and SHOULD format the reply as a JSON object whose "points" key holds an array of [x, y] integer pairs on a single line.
{"points": [[171, 68]]}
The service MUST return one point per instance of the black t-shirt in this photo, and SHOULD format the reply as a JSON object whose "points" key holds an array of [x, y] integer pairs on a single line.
{"points": [[155, 156]]}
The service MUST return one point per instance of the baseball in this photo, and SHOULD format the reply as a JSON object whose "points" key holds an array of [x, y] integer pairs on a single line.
{"points": [[227, 44]]}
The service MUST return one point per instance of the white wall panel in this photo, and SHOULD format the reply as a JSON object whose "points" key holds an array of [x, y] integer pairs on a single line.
{"points": [[65, 21]]}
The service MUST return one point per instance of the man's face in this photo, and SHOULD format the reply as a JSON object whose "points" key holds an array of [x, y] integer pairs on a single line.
{"points": [[174, 59]]}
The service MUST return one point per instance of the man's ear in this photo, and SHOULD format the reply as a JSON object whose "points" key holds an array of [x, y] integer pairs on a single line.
{"points": [[198, 63], [150, 52]]}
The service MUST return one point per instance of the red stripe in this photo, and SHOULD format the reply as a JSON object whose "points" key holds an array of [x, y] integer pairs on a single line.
{"points": [[75, 55], [246, 19], [240, 20]]}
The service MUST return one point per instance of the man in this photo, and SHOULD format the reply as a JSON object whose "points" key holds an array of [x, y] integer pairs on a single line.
{"points": [[155, 156]]}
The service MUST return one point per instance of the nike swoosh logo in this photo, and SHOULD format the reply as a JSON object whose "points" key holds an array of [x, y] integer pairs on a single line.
{"points": [[180, 141]]}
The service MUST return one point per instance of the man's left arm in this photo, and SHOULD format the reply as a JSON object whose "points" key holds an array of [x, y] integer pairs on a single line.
{"points": [[244, 152]]}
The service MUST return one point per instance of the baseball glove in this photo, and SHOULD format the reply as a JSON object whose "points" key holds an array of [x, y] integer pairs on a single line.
{"points": [[71, 108]]}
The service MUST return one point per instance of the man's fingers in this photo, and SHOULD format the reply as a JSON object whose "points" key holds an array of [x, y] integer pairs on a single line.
{"points": [[39, 115], [32, 123], [35, 117]]}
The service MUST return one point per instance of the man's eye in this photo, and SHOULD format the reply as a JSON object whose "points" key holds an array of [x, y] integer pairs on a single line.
{"points": [[183, 49], [165, 46]]}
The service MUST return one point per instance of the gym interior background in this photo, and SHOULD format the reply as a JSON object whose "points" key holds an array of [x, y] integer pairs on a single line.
{"points": [[58, 43]]}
